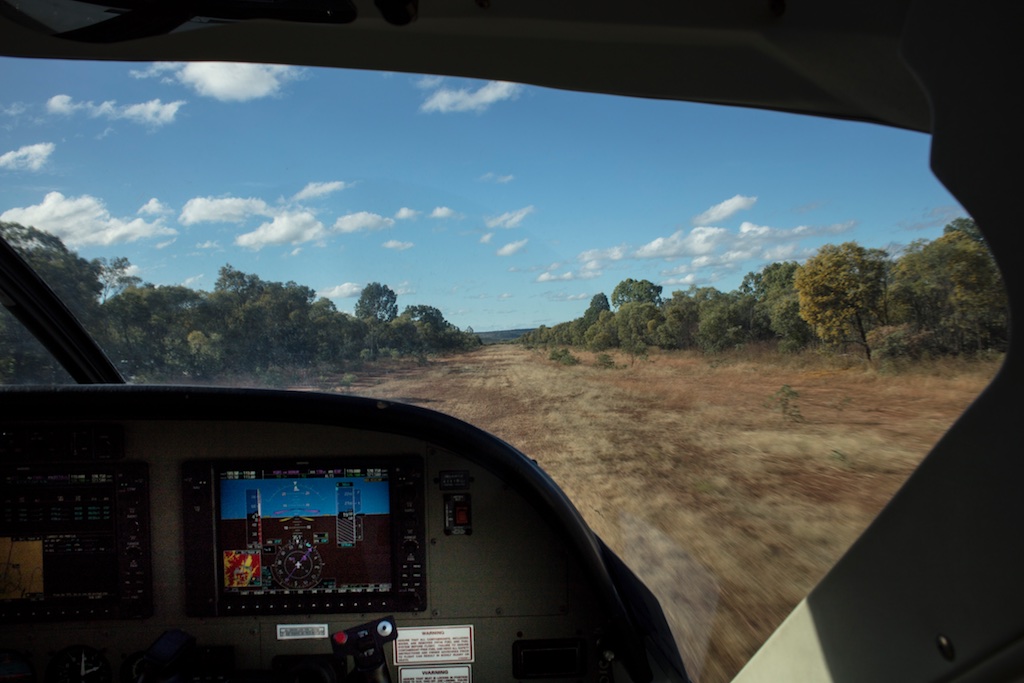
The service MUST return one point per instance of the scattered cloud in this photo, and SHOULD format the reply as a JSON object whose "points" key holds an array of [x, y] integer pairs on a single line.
{"points": [[398, 246], [429, 82], [443, 212], [445, 100], [208, 244], [27, 158], [222, 210], [313, 190], [360, 221], [194, 280], [347, 290], [84, 221], [933, 218], [512, 248], [552, 277], [509, 219], [154, 207], [290, 227], [505, 295], [406, 214], [698, 241], [595, 257], [224, 81], [13, 109], [166, 243], [154, 113], [491, 177], [719, 212], [486, 238]]}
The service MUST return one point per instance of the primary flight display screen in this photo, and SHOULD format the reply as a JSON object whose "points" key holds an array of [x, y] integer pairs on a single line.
{"points": [[308, 536]]}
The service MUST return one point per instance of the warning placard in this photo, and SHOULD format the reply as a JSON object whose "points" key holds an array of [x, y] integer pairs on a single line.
{"points": [[435, 674], [449, 644]]}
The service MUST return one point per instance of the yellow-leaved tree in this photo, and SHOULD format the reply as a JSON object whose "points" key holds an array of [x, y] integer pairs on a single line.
{"points": [[842, 291]]}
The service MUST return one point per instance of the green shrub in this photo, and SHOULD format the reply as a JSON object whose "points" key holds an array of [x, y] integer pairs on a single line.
{"points": [[564, 357], [785, 401]]}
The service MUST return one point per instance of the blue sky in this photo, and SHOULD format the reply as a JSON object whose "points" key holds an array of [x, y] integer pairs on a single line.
{"points": [[313, 496], [503, 205]]}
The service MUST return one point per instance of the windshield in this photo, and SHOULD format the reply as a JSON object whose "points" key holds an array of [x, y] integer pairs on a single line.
{"points": [[729, 335]]}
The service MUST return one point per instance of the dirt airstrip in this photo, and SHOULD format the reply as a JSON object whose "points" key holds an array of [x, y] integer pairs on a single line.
{"points": [[729, 494]]}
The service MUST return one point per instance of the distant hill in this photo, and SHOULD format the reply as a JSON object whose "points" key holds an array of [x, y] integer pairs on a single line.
{"points": [[501, 335]]}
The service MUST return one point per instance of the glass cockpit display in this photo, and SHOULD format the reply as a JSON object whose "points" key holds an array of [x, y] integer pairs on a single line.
{"points": [[307, 530], [299, 536]]}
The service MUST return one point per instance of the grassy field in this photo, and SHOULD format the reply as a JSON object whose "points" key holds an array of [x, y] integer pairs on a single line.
{"points": [[730, 484]]}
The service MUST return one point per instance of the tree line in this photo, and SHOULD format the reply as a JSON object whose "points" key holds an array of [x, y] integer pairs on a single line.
{"points": [[936, 297], [245, 326]]}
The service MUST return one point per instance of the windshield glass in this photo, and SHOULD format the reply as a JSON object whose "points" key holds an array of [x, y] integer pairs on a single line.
{"points": [[729, 335]]}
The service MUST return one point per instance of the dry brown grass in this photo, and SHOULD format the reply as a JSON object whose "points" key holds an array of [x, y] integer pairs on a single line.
{"points": [[728, 510]]}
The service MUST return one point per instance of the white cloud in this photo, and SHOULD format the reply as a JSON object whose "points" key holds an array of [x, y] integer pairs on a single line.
{"points": [[610, 254], [512, 248], [690, 279], [405, 214], [208, 244], [28, 158], [783, 252], [222, 210], [347, 290], [84, 221], [189, 281], [699, 241], [443, 212], [445, 100], [509, 219], [313, 190], [14, 109], [154, 207], [486, 238], [166, 243], [227, 82], [429, 82], [552, 277], [286, 228], [153, 113], [721, 211], [748, 229], [491, 177], [62, 104], [362, 220], [398, 246]]}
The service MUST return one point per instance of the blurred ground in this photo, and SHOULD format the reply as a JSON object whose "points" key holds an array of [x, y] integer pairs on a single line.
{"points": [[729, 484]]}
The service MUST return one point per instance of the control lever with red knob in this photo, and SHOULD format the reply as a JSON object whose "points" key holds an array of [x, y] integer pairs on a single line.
{"points": [[365, 644]]}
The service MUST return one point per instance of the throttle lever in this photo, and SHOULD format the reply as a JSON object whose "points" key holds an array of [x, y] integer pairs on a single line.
{"points": [[365, 644]]}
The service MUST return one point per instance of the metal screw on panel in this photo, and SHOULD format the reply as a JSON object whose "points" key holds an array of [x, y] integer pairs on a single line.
{"points": [[435, 613], [946, 648], [384, 628]]}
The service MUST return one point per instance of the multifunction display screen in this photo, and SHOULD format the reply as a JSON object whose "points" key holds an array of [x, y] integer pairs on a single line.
{"points": [[305, 536], [74, 541]]}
